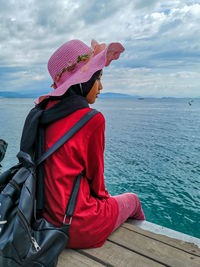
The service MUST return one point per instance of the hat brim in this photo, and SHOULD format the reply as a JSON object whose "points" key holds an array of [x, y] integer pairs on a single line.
{"points": [[98, 62]]}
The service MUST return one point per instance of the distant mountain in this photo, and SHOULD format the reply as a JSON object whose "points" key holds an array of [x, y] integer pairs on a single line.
{"points": [[116, 95], [9, 94], [18, 95], [169, 97], [35, 94]]}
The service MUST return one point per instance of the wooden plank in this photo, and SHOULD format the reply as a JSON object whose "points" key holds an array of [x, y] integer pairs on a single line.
{"points": [[72, 258], [114, 255], [185, 246], [151, 248]]}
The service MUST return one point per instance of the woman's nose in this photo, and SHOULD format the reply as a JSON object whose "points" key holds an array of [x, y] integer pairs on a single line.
{"points": [[100, 86]]}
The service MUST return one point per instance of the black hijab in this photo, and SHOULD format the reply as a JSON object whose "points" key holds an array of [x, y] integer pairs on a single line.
{"points": [[81, 89], [33, 135]]}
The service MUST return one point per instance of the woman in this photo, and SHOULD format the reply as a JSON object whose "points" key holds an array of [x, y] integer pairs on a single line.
{"points": [[76, 70]]}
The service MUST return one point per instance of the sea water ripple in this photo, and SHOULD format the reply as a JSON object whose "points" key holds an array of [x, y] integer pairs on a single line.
{"points": [[152, 149]]}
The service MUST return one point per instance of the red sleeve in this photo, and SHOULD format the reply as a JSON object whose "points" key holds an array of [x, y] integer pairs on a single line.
{"points": [[95, 162]]}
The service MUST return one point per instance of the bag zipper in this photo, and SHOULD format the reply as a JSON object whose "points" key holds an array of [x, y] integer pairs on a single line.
{"points": [[33, 241], [35, 244]]}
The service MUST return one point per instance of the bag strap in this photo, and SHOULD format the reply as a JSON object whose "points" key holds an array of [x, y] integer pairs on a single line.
{"points": [[72, 199], [67, 135]]}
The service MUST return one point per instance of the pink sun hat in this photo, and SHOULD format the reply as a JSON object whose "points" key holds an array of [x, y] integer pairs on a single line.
{"points": [[75, 62]]}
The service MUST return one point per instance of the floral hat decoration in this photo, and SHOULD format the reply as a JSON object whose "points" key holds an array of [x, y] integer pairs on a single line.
{"points": [[75, 62]]}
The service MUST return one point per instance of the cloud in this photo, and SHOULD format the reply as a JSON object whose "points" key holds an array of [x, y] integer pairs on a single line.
{"points": [[145, 4], [161, 40], [145, 82]]}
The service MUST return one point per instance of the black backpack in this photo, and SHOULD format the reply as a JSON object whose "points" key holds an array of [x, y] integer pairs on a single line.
{"points": [[24, 239]]}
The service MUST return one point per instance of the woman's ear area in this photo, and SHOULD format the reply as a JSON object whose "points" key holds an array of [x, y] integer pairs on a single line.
{"points": [[100, 75]]}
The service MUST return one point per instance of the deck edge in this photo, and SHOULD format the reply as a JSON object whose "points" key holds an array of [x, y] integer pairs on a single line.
{"points": [[158, 229]]}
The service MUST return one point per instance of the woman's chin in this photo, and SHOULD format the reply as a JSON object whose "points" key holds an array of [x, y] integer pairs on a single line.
{"points": [[92, 101]]}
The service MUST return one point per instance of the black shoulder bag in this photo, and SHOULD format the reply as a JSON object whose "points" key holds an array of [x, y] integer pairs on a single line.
{"points": [[24, 239]]}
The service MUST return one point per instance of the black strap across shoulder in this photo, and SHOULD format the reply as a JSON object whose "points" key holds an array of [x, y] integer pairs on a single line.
{"points": [[68, 135]]}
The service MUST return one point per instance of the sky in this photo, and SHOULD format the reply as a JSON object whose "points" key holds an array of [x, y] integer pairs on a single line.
{"points": [[161, 40]]}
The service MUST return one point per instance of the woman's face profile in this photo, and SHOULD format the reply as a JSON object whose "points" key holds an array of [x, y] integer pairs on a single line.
{"points": [[95, 91]]}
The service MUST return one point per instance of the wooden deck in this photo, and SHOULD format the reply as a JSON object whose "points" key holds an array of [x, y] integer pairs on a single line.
{"points": [[132, 246]]}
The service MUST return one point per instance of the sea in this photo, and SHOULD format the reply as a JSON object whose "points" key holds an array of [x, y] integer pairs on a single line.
{"points": [[152, 148]]}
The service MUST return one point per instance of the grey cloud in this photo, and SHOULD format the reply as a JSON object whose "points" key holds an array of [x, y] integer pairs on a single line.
{"points": [[145, 4], [100, 10], [162, 37]]}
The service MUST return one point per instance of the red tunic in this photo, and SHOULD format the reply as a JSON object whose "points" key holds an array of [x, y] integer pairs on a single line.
{"points": [[96, 212]]}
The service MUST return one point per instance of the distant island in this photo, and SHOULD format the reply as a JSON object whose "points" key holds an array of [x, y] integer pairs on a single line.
{"points": [[33, 94], [18, 95], [9, 94], [26, 94], [116, 95]]}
